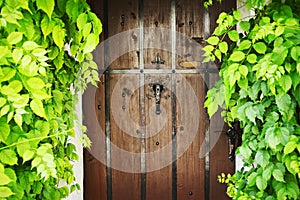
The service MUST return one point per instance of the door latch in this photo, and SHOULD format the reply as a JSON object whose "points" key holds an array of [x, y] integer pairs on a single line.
{"points": [[158, 61], [157, 88]]}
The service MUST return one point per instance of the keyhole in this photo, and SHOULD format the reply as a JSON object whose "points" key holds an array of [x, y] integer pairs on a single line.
{"points": [[157, 143], [190, 193]]}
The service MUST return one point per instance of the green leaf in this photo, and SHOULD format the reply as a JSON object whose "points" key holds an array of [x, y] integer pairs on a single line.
{"points": [[4, 130], [237, 56], [279, 31], [267, 173], [36, 83], [58, 36], [260, 47], [46, 5], [12, 88], [295, 53], [18, 120], [213, 40], [233, 35], [81, 20], [278, 175], [30, 45], [6, 73], [245, 44], [20, 101], [271, 138], [90, 43], [243, 70], [291, 22], [4, 179], [279, 55], [261, 183], [252, 179], [14, 37], [47, 26], [262, 158], [223, 46], [5, 192], [245, 26], [36, 161], [2, 101], [17, 55], [290, 147], [285, 82], [28, 155], [37, 107], [11, 174], [237, 15], [8, 156]]}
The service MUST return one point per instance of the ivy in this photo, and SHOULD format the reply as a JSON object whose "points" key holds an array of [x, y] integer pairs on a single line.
{"points": [[260, 88], [45, 60]]}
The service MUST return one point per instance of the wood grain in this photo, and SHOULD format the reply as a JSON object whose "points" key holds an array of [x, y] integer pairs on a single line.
{"points": [[124, 49], [219, 161], [157, 32], [189, 22], [159, 141], [124, 184], [190, 166]]}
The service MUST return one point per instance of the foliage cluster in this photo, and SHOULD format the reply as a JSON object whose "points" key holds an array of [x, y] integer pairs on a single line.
{"points": [[45, 50], [260, 88]]}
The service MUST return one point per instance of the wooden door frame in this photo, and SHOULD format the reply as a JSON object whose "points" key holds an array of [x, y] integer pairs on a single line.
{"points": [[211, 16]]}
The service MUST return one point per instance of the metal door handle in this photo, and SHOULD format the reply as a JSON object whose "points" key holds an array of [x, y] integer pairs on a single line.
{"points": [[157, 88]]}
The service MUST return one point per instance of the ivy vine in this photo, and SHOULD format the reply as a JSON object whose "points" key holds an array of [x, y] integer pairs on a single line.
{"points": [[260, 88], [45, 60]]}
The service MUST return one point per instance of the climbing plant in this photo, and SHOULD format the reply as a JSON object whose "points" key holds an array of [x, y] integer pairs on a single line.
{"points": [[260, 88], [45, 59]]}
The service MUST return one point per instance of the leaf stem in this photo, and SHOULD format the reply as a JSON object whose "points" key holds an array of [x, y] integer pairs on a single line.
{"points": [[33, 139]]}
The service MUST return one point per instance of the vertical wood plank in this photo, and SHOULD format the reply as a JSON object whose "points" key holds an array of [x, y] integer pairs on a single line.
{"points": [[123, 18], [157, 32], [190, 166], [159, 136], [94, 170], [219, 161], [126, 96], [189, 22]]}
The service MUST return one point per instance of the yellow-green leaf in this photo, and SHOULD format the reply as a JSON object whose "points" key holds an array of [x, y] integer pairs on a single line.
{"points": [[4, 179], [14, 37], [8, 156], [237, 56], [5, 192], [233, 35], [90, 43], [213, 40], [46, 5], [223, 46], [17, 55], [28, 155], [35, 83], [38, 108], [58, 36]]}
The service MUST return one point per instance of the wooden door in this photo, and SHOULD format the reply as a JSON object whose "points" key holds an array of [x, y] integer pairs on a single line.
{"points": [[152, 138]]}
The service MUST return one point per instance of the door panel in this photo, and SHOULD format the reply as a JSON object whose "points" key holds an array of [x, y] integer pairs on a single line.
{"points": [[190, 166], [189, 22], [124, 16], [159, 139], [124, 112], [157, 23]]}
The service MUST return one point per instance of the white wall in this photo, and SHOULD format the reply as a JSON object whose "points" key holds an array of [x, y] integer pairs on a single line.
{"points": [[78, 165]]}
